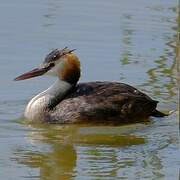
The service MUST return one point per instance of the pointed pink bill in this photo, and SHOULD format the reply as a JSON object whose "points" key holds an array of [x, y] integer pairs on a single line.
{"points": [[31, 74]]}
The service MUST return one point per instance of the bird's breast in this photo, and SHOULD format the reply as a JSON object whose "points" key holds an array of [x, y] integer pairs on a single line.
{"points": [[36, 108]]}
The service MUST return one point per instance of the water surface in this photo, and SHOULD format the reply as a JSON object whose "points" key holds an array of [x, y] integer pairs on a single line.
{"points": [[116, 41]]}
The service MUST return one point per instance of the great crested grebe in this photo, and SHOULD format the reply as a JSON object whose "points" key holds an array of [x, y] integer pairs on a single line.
{"points": [[68, 102]]}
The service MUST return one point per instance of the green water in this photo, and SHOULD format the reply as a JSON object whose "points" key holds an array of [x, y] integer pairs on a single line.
{"points": [[132, 42]]}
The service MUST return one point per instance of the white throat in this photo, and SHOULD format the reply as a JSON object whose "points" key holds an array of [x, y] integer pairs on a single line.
{"points": [[38, 105], [59, 88]]}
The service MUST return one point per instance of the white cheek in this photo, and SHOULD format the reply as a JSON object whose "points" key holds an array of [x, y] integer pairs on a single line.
{"points": [[51, 73], [55, 71]]}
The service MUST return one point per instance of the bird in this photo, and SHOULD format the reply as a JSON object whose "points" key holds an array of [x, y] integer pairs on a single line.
{"points": [[68, 101]]}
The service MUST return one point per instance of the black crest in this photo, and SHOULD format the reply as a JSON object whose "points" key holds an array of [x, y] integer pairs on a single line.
{"points": [[56, 54]]}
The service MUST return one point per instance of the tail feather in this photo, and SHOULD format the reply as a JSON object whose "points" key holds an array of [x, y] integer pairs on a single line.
{"points": [[157, 113]]}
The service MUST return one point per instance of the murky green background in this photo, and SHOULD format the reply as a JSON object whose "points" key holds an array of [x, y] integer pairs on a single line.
{"points": [[127, 41]]}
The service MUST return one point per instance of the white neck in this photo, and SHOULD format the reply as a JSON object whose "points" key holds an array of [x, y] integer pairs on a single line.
{"points": [[59, 88], [48, 98]]}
